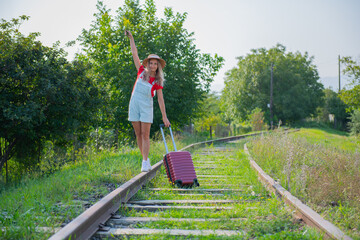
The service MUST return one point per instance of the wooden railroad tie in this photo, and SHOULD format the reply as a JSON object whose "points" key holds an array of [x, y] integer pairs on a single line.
{"points": [[196, 189], [152, 208], [168, 202], [174, 232], [125, 221]]}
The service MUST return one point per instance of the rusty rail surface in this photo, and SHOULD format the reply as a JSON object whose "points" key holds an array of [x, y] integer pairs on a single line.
{"points": [[309, 216]]}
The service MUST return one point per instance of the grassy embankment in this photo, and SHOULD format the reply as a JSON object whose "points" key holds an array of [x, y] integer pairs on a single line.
{"points": [[321, 167], [55, 200]]}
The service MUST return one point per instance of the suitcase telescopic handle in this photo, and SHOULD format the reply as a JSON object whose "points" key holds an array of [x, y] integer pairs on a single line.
{"points": [[163, 135]]}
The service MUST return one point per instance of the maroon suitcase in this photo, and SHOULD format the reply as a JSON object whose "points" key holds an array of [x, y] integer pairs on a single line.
{"points": [[179, 165]]}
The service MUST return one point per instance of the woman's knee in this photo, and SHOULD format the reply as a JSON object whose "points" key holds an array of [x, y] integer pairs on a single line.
{"points": [[137, 128], [145, 135], [145, 131]]}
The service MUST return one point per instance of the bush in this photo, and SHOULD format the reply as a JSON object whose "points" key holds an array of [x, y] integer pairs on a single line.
{"points": [[354, 124], [257, 120]]}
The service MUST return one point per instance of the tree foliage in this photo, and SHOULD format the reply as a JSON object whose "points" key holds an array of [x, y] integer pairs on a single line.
{"points": [[351, 96], [42, 95], [188, 73], [354, 123], [296, 90], [257, 120], [209, 115], [333, 105]]}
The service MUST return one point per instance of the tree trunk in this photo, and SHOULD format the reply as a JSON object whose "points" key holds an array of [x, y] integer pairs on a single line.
{"points": [[97, 139], [74, 146], [7, 173], [116, 138], [6, 152]]}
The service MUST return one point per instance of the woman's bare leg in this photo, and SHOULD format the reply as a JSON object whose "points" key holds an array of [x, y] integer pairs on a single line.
{"points": [[145, 134], [137, 128]]}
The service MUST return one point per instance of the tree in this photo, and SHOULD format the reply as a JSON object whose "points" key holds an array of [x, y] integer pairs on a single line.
{"points": [[333, 105], [42, 95], [297, 92], [354, 124], [257, 120], [209, 114], [351, 96], [188, 73]]}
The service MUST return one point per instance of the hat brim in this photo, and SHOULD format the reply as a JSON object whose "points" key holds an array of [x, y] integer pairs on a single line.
{"points": [[162, 61]]}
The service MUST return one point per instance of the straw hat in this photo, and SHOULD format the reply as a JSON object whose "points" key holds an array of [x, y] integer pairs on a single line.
{"points": [[154, 56]]}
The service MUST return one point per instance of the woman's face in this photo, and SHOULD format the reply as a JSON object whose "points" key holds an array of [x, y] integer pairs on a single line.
{"points": [[153, 65]]}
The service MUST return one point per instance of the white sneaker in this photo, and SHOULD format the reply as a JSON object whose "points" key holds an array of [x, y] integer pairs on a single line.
{"points": [[148, 165], [144, 166]]}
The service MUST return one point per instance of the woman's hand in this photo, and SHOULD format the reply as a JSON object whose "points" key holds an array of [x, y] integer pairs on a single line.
{"points": [[128, 34], [166, 122]]}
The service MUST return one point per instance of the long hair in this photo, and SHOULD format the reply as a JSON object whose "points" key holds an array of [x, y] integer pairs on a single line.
{"points": [[159, 76]]}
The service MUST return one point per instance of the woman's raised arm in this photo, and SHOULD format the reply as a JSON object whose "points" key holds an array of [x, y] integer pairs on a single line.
{"points": [[133, 49]]}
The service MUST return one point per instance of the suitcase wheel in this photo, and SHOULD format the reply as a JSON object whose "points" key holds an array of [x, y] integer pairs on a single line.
{"points": [[178, 183], [196, 183]]}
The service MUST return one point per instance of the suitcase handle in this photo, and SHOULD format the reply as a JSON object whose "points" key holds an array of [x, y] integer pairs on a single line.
{"points": [[163, 135]]}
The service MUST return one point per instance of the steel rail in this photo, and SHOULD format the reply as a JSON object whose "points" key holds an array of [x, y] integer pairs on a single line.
{"points": [[309, 216], [91, 220], [233, 138], [226, 139]]}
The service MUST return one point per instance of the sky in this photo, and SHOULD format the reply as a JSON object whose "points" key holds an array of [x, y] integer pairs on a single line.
{"points": [[231, 28]]}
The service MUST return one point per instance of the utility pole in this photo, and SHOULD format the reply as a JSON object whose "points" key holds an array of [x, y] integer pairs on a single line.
{"points": [[335, 118], [339, 73], [271, 96], [7, 173]]}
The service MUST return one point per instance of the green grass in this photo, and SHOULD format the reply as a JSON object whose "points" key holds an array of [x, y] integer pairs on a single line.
{"points": [[330, 138], [320, 167], [55, 200]]}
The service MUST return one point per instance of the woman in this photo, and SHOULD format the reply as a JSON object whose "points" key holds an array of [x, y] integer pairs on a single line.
{"points": [[150, 78]]}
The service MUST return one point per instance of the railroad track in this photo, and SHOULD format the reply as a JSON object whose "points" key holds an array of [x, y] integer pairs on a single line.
{"points": [[230, 203], [202, 212]]}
